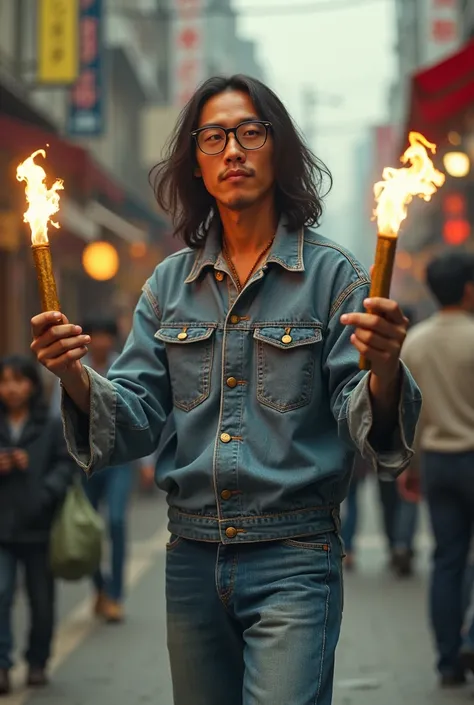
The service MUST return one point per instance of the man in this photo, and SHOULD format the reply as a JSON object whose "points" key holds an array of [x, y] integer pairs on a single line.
{"points": [[240, 338], [440, 353], [111, 486]]}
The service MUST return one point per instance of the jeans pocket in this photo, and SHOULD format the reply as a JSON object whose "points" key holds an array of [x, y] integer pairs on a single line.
{"points": [[315, 542], [173, 542], [190, 352], [286, 361]]}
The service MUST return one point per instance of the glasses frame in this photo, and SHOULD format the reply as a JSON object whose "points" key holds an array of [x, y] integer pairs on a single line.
{"points": [[228, 130]]}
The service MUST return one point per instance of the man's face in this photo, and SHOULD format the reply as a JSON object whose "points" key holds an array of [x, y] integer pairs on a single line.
{"points": [[237, 178], [101, 345]]}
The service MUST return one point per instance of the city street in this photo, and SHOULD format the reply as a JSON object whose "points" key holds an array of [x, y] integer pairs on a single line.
{"points": [[385, 654]]}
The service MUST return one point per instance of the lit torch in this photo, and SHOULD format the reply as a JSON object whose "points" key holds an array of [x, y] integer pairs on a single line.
{"points": [[42, 204], [393, 194]]}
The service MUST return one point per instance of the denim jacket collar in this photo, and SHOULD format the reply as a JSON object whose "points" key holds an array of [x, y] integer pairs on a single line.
{"points": [[287, 250]]}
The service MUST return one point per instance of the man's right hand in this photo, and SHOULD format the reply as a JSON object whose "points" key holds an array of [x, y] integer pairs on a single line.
{"points": [[59, 346], [6, 463]]}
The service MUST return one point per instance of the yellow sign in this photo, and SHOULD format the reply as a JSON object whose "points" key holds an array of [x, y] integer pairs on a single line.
{"points": [[58, 41]]}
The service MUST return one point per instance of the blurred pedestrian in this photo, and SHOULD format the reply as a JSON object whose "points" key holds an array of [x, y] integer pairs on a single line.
{"points": [[350, 521], [112, 486], [440, 353], [35, 471], [250, 337]]}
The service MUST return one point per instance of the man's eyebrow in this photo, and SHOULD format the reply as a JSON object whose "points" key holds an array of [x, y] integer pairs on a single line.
{"points": [[249, 118]]}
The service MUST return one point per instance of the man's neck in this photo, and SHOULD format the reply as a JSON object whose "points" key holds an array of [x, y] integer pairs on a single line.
{"points": [[453, 309], [99, 363], [247, 232], [18, 415]]}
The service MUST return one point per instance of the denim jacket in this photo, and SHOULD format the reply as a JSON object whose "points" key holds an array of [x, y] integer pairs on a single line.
{"points": [[268, 404]]}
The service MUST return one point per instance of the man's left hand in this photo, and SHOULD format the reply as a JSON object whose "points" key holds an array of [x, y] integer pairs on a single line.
{"points": [[379, 335]]}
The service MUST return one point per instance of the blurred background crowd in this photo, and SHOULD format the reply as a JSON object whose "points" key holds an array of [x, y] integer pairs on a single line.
{"points": [[99, 84]]}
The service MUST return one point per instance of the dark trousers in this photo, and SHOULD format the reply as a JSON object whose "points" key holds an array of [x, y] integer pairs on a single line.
{"points": [[449, 491], [39, 583]]}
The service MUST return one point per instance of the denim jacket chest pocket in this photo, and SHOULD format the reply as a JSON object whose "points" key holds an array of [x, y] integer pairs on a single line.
{"points": [[287, 359], [190, 353]]}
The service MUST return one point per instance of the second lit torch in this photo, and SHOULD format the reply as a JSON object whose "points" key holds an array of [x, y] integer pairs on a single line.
{"points": [[42, 204], [392, 195]]}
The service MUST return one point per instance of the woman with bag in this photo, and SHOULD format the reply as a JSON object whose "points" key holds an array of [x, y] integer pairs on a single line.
{"points": [[35, 472]]}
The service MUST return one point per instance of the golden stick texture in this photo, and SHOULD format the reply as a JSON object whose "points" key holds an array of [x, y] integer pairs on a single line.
{"points": [[382, 275], [46, 282]]}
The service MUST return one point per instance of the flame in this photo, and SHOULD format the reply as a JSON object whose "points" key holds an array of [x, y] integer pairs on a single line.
{"points": [[399, 186], [42, 202]]}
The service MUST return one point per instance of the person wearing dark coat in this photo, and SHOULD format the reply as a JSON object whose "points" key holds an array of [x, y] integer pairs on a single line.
{"points": [[35, 472]]}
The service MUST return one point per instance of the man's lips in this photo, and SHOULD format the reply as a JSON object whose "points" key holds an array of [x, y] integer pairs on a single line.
{"points": [[235, 174]]}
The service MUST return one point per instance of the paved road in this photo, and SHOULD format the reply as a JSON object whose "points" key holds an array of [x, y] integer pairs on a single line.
{"points": [[385, 655]]}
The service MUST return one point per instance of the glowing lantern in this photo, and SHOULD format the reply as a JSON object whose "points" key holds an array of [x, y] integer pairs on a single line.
{"points": [[100, 260], [457, 164]]}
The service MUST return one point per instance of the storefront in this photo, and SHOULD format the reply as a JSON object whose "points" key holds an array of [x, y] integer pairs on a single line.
{"points": [[93, 208], [442, 109]]}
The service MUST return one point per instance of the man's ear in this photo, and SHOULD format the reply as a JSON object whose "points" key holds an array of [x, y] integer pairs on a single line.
{"points": [[197, 173]]}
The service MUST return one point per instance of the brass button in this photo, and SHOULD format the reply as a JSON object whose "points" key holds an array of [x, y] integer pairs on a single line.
{"points": [[225, 438], [182, 335], [219, 276], [286, 339], [231, 532], [231, 382], [234, 319], [226, 494]]}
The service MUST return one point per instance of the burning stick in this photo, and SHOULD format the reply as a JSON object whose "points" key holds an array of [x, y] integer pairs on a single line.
{"points": [[42, 204], [393, 194]]}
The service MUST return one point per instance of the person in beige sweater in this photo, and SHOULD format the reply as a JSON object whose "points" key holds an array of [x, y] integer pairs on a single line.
{"points": [[440, 354]]}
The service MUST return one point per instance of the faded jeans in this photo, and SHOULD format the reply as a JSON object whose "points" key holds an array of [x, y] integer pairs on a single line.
{"points": [[112, 486], [254, 624]]}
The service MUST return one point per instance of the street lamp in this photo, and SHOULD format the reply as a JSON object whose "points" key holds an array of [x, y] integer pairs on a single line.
{"points": [[100, 260], [457, 164]]}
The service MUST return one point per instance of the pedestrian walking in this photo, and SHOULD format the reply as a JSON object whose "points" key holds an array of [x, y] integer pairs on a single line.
{"points": [[250, 337], [439, 352], [111, 486], [350, 522], [35, 472]]}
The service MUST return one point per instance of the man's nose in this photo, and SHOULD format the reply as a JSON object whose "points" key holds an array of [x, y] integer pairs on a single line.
{"points": [[233, 150]]}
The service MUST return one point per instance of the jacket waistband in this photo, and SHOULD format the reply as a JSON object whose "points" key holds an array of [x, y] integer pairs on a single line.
{"points": [[268, 527]]}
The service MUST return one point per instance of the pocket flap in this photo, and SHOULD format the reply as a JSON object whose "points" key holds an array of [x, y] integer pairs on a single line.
{"points": [[287, 338], [184, 335]]}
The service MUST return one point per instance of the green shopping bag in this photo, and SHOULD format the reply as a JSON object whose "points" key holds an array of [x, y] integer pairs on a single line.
{"points": [[76, 537]]}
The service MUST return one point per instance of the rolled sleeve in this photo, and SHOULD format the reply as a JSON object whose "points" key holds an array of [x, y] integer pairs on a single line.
{"points": [[387, 463], [90, 438]]}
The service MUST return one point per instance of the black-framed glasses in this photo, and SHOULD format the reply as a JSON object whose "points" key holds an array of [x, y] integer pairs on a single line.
{"points": [[250, 134]]}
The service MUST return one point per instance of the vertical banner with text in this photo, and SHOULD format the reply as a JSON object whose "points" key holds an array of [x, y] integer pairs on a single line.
{"points": [[86, 99], [58, 42], [187, 51], [441, 28]]}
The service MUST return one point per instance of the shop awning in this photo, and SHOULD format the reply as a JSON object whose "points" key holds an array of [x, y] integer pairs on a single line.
{"points": [[441, 94], [64, 159]]}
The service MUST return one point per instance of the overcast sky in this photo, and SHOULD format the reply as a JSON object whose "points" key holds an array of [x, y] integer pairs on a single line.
{"points": [[347, 53]]}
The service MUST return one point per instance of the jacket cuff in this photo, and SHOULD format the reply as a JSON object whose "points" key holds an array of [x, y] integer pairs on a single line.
{"points": [[390, 463], [89, 440]]}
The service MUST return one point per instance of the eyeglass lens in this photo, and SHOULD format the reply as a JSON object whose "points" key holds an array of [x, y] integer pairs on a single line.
{"points": [[250, 135]]}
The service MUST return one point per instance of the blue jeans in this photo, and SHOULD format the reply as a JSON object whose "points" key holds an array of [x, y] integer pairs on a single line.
{"points": [[39, 584], [449, 491], [112, 485], [254, 624]]}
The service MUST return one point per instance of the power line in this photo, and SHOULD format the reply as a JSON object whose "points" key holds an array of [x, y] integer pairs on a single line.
{"points": [[168, 15]]}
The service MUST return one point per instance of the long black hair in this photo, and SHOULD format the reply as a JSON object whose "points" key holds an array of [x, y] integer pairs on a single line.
{"points": [[25, 366], [299, 174]]}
